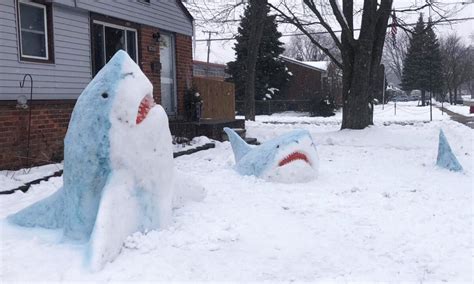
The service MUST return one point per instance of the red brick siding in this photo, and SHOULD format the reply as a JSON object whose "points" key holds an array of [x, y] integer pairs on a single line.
{"points": [[49, 121], [305, 84], [184, 68], [150, 53]]}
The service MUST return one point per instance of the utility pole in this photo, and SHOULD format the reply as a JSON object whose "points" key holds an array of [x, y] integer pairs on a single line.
{"points": [[208, 50]]}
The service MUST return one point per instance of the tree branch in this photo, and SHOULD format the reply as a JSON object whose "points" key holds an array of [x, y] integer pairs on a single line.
{"points": [[347, 31], [294, 20], [312, 7]]}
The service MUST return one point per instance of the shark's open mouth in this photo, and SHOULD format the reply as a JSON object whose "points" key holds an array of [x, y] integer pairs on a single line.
{"points": [[146, 105], [294, 157]]}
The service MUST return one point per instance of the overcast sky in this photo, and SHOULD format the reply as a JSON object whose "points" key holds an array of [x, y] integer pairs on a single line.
{"points": [[222, 52]]}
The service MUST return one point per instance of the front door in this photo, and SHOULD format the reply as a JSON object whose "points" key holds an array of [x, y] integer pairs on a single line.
{"points": [[168, 86]]}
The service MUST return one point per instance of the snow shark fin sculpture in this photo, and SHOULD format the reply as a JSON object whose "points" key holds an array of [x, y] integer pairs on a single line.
{"points": [[118, 165], [289, 158], [239, 146], [446, 158]]}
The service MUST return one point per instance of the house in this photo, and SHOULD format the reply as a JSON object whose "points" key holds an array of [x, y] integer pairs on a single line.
{"points": [[310, 82], [332, 80], [210, 70], [62, 44]]}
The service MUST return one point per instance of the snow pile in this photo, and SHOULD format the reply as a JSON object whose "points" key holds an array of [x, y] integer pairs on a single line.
{"points": [[288, 158], [118, 165]]}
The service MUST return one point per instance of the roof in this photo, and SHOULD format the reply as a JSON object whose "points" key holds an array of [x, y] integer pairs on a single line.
{"points": [[185, 10], [304, 63]]}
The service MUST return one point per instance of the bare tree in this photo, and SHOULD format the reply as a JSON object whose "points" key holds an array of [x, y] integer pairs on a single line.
{"points": [[361, 48], [394, 53], [302, 48], [457, 65], [360, 56]]}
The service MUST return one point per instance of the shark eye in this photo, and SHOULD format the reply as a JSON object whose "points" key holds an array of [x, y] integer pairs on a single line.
{"points": [[105, 95], [278, 146]]}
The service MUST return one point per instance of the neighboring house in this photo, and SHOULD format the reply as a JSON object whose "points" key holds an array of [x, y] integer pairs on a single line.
{"points": [[310, 82], [210, 70], [306, 81], [332, 80], [62, 44]]}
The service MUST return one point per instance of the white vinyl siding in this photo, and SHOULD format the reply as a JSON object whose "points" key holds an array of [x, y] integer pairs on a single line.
{"points": [[164, 14], [71, 71]]}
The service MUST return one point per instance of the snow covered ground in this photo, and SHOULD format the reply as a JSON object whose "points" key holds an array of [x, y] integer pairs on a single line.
{"points": [[380, 210]]}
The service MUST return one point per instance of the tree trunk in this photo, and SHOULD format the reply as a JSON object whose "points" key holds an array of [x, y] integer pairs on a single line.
{"points": [[450, 96], [455, 95], [358, 87], [423, 98], [361, 60], [257, 21]]}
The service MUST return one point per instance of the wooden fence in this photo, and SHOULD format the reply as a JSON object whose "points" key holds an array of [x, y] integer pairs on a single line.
{"points": [[218, 98]]}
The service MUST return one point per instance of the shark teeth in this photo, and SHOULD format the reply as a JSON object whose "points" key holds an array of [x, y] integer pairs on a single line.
{"points": [[293, 157], [146, 105]]}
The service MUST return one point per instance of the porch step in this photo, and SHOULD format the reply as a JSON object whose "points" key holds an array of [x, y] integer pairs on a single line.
{"points": [[242, 133], [252, 141]]}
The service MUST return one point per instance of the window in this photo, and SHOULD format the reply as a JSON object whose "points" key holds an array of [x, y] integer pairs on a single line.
{"points": [[108, 38], [34, 36]]}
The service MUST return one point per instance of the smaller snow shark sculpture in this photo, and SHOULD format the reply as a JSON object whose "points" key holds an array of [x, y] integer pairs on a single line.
{"points": [[289, 158], [446, 158], [118, 165]]}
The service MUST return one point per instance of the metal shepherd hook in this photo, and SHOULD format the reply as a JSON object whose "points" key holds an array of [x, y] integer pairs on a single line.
{"points": [[22, 84]]}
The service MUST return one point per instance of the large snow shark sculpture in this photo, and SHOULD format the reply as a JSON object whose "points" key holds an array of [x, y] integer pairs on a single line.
{"points": [[289, 158], [446, 158], [118, 165]]}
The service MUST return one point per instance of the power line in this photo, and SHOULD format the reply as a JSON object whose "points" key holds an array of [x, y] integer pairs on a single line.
{"points": [[338, 31]]}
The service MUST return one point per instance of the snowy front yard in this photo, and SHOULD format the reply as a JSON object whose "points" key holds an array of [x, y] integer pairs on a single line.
{"points": [[379, 210]]}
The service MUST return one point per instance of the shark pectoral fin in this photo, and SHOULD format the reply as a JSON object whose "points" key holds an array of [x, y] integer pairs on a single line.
{"points": [[117, 218], [239, 146]]}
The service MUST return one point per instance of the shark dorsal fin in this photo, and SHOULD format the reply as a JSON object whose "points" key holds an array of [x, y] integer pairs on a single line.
{"points": [[239, 146]]}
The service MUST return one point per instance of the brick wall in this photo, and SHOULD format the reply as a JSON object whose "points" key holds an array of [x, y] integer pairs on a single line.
{"points": [[305, 84], [184, 68], [150, 54], [49, 121]]}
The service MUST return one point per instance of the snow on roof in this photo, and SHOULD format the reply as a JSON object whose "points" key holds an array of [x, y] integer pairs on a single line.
{"points": [[306, 63], [323, 65]]}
